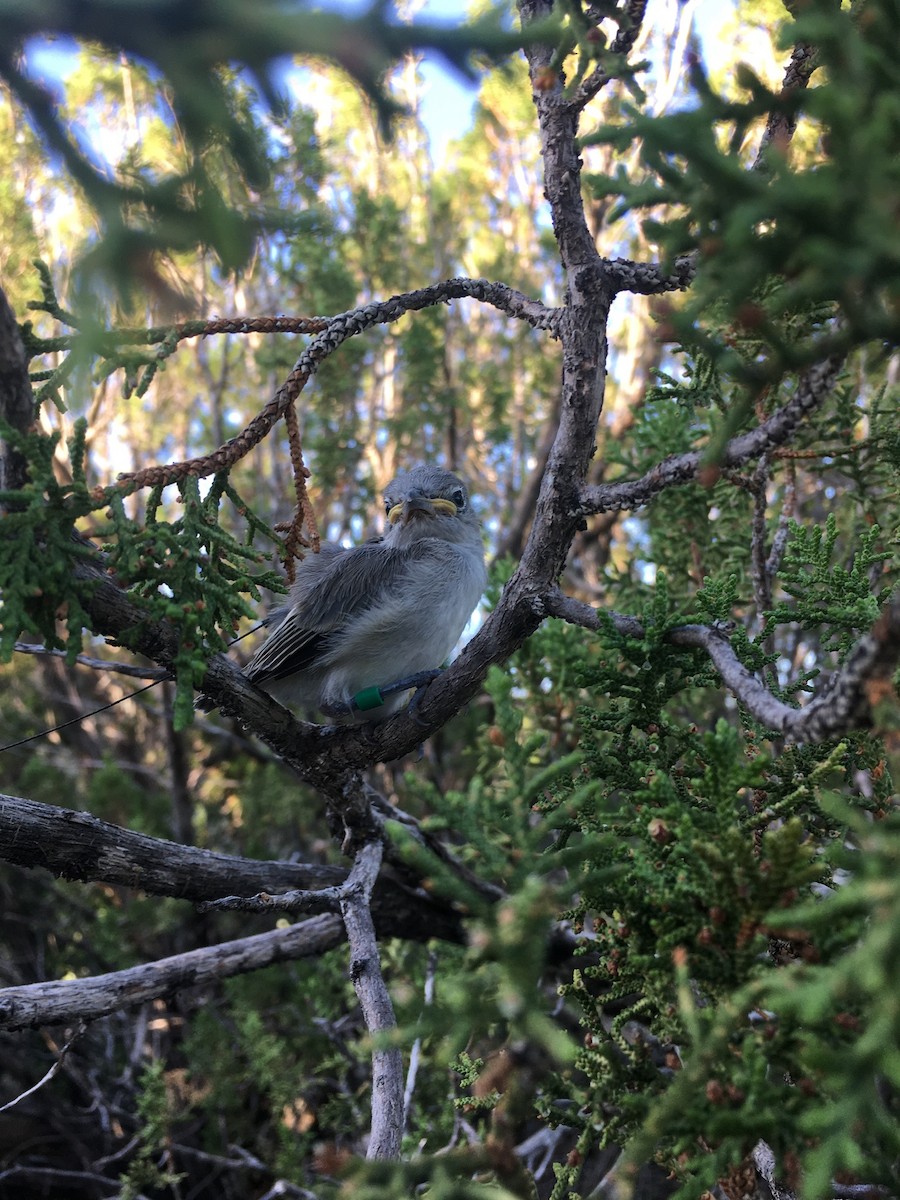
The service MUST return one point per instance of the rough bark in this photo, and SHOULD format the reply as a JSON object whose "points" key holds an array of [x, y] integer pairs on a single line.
{"points": [[78, 846], [65, 1000], [16, 399]]}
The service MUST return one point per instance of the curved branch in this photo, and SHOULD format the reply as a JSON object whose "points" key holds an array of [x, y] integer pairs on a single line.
{"points": [[338, 329], [812, 389], [48, 1075], [67, 1000], [842, 703]]}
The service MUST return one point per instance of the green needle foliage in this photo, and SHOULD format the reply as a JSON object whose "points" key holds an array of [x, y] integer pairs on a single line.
{"points": [[825, 593], [681, 932], [39, 558], [192, 572], [827, 231]]}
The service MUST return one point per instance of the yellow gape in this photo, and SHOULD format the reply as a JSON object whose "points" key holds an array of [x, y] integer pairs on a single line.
{"points": [[436, 502]]}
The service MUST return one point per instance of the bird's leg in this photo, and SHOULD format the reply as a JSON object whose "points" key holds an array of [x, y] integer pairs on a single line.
{"points": [[419, 681], [374, 697]]}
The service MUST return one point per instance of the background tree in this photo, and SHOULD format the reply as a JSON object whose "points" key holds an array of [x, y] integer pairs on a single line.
{"points": [[637, 903]]}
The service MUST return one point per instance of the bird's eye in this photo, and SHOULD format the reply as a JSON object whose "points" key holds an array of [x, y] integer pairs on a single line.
{"points": [[387, 505], [459, 498]]}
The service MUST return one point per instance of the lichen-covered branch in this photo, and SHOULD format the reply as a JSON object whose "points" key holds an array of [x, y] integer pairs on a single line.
{"points": [[338, 329], [649, 279], [781, 124], [623, 43]]}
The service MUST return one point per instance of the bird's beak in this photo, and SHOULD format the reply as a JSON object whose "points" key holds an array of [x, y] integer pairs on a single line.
{"points": [[416, 506]]}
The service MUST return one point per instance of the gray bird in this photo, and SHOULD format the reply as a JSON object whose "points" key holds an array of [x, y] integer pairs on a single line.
{"points": [[364, 626]]}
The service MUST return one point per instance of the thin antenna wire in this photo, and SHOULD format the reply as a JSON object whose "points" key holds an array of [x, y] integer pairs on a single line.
{"points": [[75, 720], [103, 708]]}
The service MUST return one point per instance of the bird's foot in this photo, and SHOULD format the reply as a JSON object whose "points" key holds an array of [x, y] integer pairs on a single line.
{"points": [[422, 680]]}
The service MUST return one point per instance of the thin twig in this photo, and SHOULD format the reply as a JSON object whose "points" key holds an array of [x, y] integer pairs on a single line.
{"points": [[54, 1070], [788, 507], [760, 578], [97, 664], [60, 1175], [305, 515], [415, 1052]]}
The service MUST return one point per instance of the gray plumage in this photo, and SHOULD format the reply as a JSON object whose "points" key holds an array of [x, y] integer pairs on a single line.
{"points": [[373, 615]]}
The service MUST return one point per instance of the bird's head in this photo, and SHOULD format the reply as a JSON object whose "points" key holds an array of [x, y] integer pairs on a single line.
{"points": [[424, 495]]}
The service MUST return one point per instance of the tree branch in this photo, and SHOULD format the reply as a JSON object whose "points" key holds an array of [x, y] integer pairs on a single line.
{"points": [[324, 755], [623, 44], [16, 398], [781, 125], [812, 389], [157, 674], [338, 329], [649, 279], [842, 702], [375, 1002], [67, 1000], [628, 32], [76, 845]]}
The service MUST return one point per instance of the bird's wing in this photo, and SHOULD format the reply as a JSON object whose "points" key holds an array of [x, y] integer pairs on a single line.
{"points": [[329, 592], [359, 579], [291, 648]]}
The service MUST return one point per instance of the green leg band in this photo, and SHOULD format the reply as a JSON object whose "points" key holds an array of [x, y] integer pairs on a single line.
{"points": [[368, 698]]}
